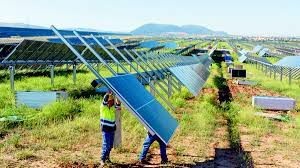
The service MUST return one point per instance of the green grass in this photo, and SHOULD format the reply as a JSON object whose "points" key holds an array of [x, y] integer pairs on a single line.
{"points": [[73, 125], [276, 85], [24, 154]]}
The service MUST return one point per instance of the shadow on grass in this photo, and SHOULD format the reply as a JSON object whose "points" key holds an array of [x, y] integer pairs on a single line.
{"points": [[235, 156]]}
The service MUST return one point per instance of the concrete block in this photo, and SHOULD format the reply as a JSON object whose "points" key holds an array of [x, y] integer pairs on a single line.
{"points": [[273, 103], [245, 82], [36, 99]]}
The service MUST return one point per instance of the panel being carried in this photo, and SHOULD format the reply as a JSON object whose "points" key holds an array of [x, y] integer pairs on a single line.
{"points": [[190, 79], [144, 106]]}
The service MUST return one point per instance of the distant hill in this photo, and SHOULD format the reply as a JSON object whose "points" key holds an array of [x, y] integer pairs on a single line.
{"points": [[161, 29], [21, 25]]}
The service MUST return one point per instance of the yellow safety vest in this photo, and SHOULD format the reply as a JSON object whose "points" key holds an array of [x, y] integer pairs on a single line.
{"points": [[108, 115]]}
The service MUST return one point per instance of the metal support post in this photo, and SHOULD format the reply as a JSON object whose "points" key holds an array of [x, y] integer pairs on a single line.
{"points": [[170, 91], [12, 78], [281, 73], [118, 132], [52, 74], [290, 76], [74, 73], [274, 69], [151, 89]]}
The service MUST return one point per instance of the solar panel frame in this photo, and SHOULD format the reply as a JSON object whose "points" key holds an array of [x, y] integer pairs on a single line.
{"points": [[187, 76], [144, 101]]}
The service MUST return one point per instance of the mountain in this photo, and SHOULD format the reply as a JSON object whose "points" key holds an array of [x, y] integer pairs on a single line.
{"points": [[21, 25], [161, 29]]}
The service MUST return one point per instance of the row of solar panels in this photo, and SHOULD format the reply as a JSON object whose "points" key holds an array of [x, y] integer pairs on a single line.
{"points": [[261, 51], [138, 100], [127, 87], [41, 52], [289, 65], [7, 32]]}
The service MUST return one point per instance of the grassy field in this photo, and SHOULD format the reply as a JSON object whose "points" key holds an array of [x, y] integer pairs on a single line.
{"points": [[67, 132], [267, 140], [221, 119]]}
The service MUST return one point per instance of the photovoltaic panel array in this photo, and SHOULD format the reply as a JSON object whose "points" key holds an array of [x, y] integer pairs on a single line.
{"points": [[264, 52], [76, 41], [6, 32], [5, 49], [189, 78], [30, 52], [201, 70], [289, 61], [257, 49], [144, 106]]}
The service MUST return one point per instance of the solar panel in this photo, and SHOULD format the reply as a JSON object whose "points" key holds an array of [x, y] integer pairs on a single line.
{"points": [[264, 52], [201, 70], [42, 52], [136, 98], [289, 61], [190, 79], [242, 58], [259, 59], [76, 41], [257, 49], [5, 49], [30, 32], [149, 111]]}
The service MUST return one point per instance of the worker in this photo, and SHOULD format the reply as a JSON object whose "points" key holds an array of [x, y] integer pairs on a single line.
{"points": [[108, 109], [147, 143]]}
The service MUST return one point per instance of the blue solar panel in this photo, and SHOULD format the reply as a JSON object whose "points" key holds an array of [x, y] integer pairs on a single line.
{"points": [[76, 41], [189, 78], [29, 32], [149, 44], [148, 110], [201, 70], [290, 61]]}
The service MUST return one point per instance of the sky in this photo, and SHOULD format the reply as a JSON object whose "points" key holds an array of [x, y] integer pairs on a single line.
{"points": [[237, 17]]}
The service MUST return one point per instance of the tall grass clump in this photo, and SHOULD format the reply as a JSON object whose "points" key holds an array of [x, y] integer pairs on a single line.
{"points": [[56, 112]]}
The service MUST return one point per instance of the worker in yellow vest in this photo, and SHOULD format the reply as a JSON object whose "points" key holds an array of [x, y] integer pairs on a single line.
{"points": [[108, 126]]}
